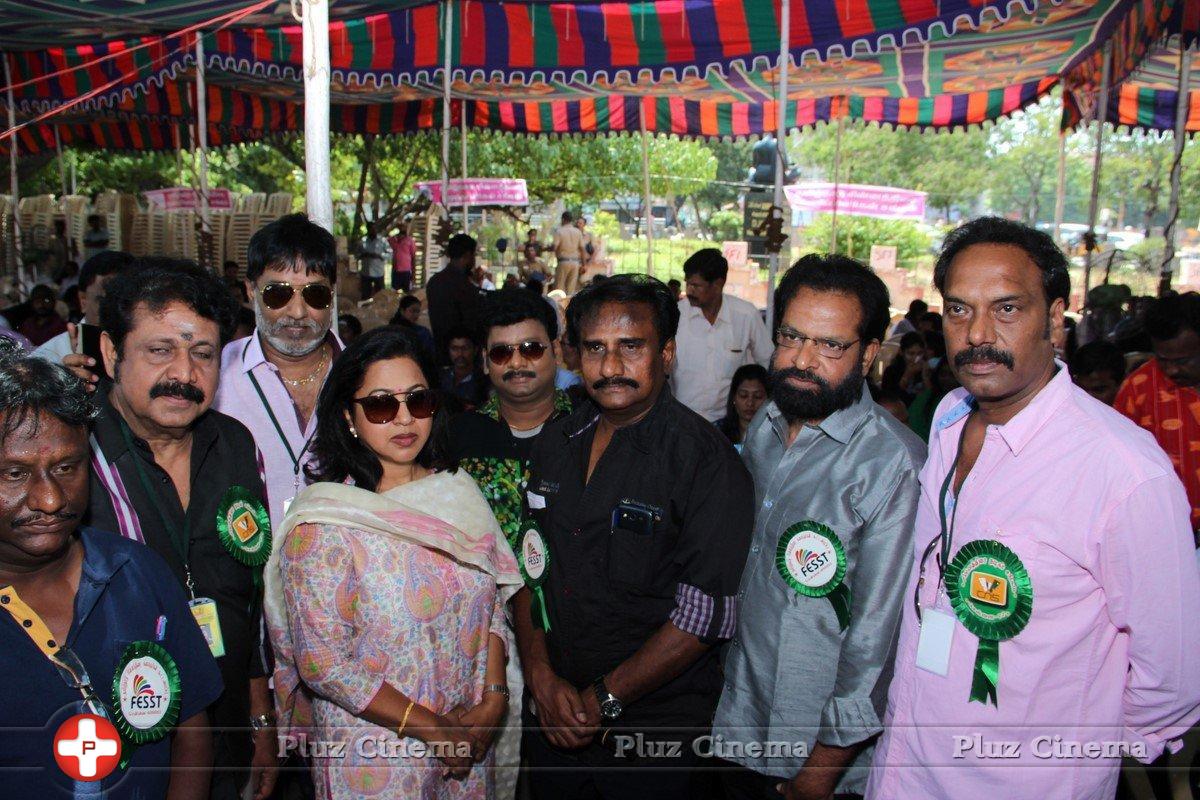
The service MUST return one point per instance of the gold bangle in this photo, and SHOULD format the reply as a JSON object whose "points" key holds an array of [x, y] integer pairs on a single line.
{"points": [[404, 721]]}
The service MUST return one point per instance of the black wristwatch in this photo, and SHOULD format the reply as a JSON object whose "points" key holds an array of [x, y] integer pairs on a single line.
{"points": [[610, 706]]}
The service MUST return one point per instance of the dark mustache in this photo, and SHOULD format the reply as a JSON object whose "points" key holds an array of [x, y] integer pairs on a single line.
{"points": [[982, 355], [518, 373], [184, 391], [35, 519], [800, 375], [606, 383]]}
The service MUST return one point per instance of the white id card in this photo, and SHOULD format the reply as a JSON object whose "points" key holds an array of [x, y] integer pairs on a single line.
{"points": [[287, 504], [933, 647], [536, 500]]}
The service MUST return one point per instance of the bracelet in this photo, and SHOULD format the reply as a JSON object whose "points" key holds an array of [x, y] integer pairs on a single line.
{"points": [[262, 722], [404, 721], [497, 688]]}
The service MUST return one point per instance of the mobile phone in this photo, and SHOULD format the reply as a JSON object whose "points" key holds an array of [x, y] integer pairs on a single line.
{"points": [[88, 343], [635, 517]]}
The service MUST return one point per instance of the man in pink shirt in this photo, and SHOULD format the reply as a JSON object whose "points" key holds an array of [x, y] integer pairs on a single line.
{"points": [[1055, 591], [404, 252]]}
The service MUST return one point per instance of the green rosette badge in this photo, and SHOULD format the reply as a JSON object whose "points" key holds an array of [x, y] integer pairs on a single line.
{"points": [[992, 596], [244, 527], [146, 693], [534, 560], [811, 559]]}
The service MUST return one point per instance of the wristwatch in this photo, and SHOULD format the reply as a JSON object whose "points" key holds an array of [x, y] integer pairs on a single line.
{"points": [[610, 706], [262, 722]]}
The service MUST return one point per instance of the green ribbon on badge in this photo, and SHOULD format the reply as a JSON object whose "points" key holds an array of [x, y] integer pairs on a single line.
{"points": [[992, 596], [534, 560], [811, 559], [244, 528], [146, 694]]}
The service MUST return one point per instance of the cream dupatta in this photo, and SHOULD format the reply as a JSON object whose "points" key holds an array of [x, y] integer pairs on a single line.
{"points": [[443, 512]]}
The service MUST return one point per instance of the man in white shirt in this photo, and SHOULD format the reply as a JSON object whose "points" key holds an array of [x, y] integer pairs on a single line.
{"points": [[717, 334], [95, 273]]}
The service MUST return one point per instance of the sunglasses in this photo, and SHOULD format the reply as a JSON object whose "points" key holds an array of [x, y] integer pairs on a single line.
{"points": [[276, 295], [380, 409], [501, 354]]}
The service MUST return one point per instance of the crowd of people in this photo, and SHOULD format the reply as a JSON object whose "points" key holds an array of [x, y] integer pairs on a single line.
{"points": [[647, 547]]}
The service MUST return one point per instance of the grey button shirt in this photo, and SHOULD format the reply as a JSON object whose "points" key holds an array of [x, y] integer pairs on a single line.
{"points": [[791, 675]]}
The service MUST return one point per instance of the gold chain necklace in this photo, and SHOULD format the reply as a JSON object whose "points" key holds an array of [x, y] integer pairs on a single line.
{"points": [[309, 378]]}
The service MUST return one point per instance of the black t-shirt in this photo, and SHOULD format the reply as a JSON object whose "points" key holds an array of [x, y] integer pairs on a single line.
{"points": [[223, 456], [609, 588]]}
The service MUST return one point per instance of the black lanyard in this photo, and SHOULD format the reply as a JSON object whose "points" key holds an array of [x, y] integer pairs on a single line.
{"points": [[279, 428], [182, 545], [947, 532]]}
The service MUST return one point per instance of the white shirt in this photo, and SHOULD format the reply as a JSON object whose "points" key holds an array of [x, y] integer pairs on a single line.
{"points": [[706, 356], [55, 348]]}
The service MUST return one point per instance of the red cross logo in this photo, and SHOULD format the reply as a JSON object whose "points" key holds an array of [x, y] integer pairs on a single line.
{"points": [[87, 747]]}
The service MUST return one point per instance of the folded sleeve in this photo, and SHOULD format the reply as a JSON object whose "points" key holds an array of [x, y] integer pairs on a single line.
{"points": [[853, 712], [1152, 587], [320, 590]]}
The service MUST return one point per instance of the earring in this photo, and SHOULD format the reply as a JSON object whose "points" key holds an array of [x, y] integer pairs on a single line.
{"points": [[353, 432]]}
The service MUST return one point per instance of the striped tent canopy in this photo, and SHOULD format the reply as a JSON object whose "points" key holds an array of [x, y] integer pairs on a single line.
{"points": [[690, 67]]}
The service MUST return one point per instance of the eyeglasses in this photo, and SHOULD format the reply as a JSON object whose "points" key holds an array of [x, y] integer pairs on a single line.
{"points": [[827, 348], [277, 294], [76, 676], [380, 409], [929, 549], [501, 354]]}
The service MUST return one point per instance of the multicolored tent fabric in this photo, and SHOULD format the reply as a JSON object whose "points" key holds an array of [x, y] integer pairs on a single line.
{"points": [[690, 67]]}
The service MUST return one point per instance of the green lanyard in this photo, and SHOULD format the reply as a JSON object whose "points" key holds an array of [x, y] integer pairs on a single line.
{"points": [[182, 544]]}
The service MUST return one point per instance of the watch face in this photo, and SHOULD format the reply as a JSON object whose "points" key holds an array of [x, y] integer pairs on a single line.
{"points": [[611, 709]]}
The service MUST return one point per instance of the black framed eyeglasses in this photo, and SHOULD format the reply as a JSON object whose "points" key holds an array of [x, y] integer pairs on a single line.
{"points": [[380, 409], [791, 339], [277, 294], [501, 354], [929, 549]]}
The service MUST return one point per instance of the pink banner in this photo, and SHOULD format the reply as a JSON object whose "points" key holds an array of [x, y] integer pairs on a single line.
{"points": [[182, 198], [860, 200], [480, 191]]}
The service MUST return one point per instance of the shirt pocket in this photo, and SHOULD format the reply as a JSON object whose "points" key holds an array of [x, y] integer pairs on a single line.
{"points": [[635, 536]]}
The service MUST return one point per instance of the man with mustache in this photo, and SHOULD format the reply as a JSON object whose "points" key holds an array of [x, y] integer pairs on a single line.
{"points": [[493, 443], [185, 480], [641, 517], [270, 381], [836, 489], [73, 601], [1053, 592]]}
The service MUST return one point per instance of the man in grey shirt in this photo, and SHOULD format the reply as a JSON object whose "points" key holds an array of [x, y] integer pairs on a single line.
{"points": [[807, 673]]}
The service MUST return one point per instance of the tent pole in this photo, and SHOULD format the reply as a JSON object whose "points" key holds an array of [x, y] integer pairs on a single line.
{"points": [[1182, 106], [647, 206], [318, 189], [13, 184], [448, 29], [62, 165], [462, 112], [202, 132], [74, 176], [837, 181], [1060, 191], [1100, 112], [785, 29]]}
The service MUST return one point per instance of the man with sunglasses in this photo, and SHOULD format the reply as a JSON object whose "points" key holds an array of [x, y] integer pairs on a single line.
{"points": [[72, 601], [836, 490], [641, 518], [1053, 592], [185, 480], [493, 443], [270, 381]]}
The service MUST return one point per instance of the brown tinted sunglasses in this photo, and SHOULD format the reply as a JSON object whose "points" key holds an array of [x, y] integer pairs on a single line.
{"points": [[501, 354], [380, 409], [276, 295]]}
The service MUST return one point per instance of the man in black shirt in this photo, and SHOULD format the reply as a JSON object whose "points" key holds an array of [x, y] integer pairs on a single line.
{"points": [[452, 299], [186, 481], [646, 513]]}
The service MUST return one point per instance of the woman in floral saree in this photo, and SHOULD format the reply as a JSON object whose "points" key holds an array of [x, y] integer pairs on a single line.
{"points": [[386, 593]]}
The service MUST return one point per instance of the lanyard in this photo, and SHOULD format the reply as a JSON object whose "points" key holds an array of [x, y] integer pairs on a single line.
{"points": [[947, 532], [182, 544], [279, 428]]}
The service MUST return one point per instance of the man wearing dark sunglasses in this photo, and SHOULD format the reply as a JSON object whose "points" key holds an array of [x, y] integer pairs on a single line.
{"points": [[73, 599], [271, 380], [493, 443]]}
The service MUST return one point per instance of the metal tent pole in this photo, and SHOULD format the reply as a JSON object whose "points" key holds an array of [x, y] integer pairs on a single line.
{"points": [[202, 131], [1101, 112], [837, 183], [318, 186], [785, 29], [12, 176], [447, 31], [647, 202], [1182, 106], [462, 113], [1060, 191], [58, 156]]}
